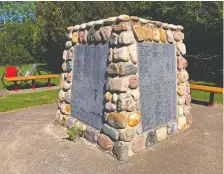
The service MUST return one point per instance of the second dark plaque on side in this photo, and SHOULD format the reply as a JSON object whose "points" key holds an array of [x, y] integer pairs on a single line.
{"points": [[157, 84]]}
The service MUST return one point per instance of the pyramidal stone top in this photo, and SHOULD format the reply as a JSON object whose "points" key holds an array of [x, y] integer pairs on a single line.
{"points": [[123, 18]]}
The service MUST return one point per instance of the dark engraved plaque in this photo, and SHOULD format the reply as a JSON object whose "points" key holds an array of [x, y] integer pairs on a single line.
{"points": [[89, 69], [157, 84]]}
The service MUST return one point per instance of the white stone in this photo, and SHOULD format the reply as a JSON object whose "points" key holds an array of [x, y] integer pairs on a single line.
{"points": [[61, 95], [161, 133], [114, 98], [182, 122], [67, 86], [135, 94], [181, 47], [99, 22], [180, 110], [83, 26], [144, 21], [165, 25], [90, 24], [172, 27], [68, 96], [181, 100], [110, 20], [180, 27], [76, 27], [63, 106], [133, 53]]}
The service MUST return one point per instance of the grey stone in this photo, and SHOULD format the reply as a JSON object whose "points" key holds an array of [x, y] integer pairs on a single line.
{"points": [[68, 44], [91, 134], [68, 96], [157, 82], [90, 36], [126, 103], [127, 135], [169, 35], [108, 83], [172, 129], [120, 150], [70, 122], [113, 69], [114, 39], [111, 132], [151, 139], [127, 69], [88, 80]]}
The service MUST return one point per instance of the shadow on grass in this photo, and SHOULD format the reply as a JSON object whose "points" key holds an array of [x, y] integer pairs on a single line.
{"points": [[199, 102], [29, 86]]}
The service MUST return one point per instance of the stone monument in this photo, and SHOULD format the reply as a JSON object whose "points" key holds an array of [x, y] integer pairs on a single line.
{"points": [[125, 82]]}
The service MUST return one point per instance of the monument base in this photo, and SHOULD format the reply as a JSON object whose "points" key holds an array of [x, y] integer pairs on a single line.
{"points": [[126, 143]]}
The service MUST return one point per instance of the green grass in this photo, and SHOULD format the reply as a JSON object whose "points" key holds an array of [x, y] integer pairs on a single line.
{"points": [[204, 96], [23, 85], [19, 101]]}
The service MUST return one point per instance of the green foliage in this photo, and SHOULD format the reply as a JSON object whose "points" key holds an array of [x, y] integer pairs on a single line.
{"points": [[74, 132]]}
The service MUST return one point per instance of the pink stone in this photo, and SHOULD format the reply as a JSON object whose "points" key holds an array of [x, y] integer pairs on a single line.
{"points": [[137, 144], [81, 36], [187, 98], [104, 142], [106, 32], [188, 90], [133, 82], [110, 107], [64, 54], [97, 36], [177, 35]]}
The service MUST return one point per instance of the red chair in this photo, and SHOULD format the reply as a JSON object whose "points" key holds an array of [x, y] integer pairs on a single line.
{"points": [[11, 71]]}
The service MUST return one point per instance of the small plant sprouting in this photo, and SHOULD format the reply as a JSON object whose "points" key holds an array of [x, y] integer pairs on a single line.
{"points": [[74, 132]]}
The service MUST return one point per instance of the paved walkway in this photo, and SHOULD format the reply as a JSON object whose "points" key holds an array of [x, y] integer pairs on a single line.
{"points": [[30, 143]]}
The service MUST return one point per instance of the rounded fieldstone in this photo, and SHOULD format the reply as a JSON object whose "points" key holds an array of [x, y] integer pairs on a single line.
{"points": [[139, 129], [189, 119], [120, 150], [133, 82], [76, 27], [68, 44], [110, 20], [90, 24], [188, 90], [68, 96], [181, 47], [114, 98], [170, 37], [110, 131], [61, 95], [165, 25], [158, 24], [163, 35], [135, 94], [134, 18], [181, 100], [172, 27], [127, 136], [187, 109], [133, 53], [123, 18], [156, 35], [97, 36], [144, 21], [151, 139], [180, 110], [137, 144], [91, 134], [106, 32], [161, 133], [184, 76], [110, 107], [126, 69], [180, 27], [187, 98], [113, 69], [177, 35], [108, 96], [181, 89], [66, 86], [117, 120], [172, 129], [134, 119], [75, 38], [90, 36], [83, 26], [105, 142]]}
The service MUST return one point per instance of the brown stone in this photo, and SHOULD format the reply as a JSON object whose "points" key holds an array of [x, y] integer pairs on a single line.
{"points": [[134, 119], [119, 84], [163, 35], [188, 90], [134, 18], [150, 33], [105, 142], [177, 35], [141, 33], [137, 144], [187, 109], [113, 69], [181, 89], [117, 120], [120, 27]]}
